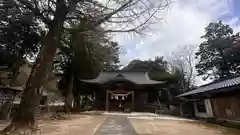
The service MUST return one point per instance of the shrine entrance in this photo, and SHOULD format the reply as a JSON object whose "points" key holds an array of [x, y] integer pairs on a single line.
{"points": [[120, 100]]}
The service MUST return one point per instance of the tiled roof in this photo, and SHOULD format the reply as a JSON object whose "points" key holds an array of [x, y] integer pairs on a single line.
{"points": [[213, 86], [134, 77]]}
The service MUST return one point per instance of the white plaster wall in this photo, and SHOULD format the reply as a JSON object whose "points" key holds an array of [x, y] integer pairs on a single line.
{"points": [[208, 107]]}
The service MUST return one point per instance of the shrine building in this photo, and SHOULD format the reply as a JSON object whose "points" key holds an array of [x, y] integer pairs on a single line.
{"points": [[124, 91]]}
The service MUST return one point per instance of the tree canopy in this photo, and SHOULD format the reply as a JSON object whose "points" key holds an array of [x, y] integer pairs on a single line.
{"points": [[83, 57], [217, 58], [19, 37], [157, 68]]}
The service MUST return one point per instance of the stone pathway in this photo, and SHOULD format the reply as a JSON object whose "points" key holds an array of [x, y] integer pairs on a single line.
{"points": [[116, 125]]}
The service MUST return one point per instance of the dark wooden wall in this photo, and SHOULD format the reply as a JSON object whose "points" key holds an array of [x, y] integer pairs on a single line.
{"points": [[100, 101], [140, 100], [227, 107]]}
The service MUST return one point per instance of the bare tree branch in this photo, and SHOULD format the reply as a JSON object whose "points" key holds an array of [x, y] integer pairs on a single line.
{"points": [[183, 60]]}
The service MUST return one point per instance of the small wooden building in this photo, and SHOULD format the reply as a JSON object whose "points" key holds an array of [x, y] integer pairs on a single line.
{"points": [[219, 100], [124, 91]]}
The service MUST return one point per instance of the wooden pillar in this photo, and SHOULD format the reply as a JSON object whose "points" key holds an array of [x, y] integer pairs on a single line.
{"points": [[106, 100], [132, 101], [181, 110]]}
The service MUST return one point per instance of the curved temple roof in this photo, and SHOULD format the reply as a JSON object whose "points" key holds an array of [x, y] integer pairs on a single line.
{"points": [[134, 77]]}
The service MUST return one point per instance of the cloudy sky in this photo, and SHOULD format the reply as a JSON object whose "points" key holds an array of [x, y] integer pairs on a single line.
{"points": [[183, 24]]}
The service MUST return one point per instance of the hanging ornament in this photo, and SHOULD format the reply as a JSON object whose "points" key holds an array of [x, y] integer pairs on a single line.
{"points": [[120, 105], [117, 97], [112, 97], [122, 97]]}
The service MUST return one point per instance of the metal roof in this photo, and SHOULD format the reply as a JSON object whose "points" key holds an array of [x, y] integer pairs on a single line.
{"points": [[134, 77], [213, 86]]}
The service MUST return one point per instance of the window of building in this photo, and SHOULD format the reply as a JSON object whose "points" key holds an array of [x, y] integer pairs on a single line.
{"points": [[201, 106]]}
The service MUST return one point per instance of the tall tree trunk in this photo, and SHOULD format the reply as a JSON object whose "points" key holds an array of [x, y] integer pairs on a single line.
{"points": [[25, 116], [69, 96], [66, 105], [77, 102], [76, 95]]}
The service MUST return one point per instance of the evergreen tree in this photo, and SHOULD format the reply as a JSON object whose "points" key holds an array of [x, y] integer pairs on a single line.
{"points": [[216, 57]]}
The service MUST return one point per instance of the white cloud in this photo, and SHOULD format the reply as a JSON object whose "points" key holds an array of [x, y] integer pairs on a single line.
{"points": [[183, 24]]}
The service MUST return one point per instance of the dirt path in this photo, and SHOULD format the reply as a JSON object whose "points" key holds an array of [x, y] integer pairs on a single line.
{"points": [[75, 125], [179, 127], [128, 125], [79, 125]]}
